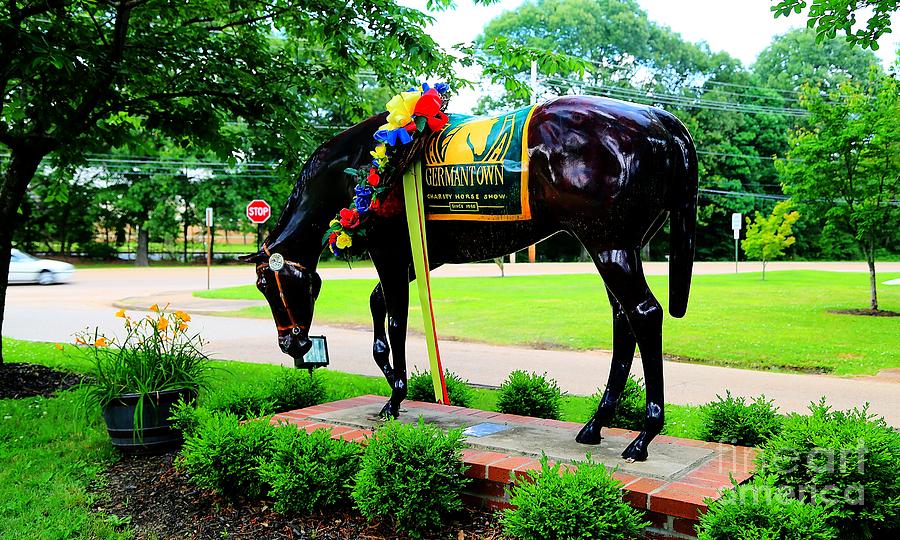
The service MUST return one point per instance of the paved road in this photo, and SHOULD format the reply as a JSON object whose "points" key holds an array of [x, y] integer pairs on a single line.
{"points": [[54, 313]]}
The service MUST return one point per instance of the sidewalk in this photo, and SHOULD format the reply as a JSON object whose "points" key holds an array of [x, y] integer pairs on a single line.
{"points": [[578, 372]]}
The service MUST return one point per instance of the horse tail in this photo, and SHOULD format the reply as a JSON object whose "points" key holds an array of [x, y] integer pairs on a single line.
{"points": [[682, 205]]}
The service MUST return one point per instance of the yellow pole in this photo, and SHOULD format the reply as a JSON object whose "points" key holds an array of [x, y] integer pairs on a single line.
{"points": [[415, 219]]}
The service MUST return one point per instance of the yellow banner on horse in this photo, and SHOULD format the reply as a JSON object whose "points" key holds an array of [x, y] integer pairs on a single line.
{"points": [[476, 169]]}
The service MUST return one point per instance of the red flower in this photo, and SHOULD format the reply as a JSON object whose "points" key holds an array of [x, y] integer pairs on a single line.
{"points": [[376, 204], [349, 218], [429, 104], [333, 238], [438, 121], [374, 179]]}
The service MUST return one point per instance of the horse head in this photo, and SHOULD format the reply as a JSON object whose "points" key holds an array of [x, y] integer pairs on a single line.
{"points": [[291, 289]]}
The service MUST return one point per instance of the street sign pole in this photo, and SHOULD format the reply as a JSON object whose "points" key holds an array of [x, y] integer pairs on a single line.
{"points": [[736, 228], [209, 244]]}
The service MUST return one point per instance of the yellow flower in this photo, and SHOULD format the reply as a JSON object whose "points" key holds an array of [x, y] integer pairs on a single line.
{"points": [[400, 108], [334, 222], [59, 346], [154, 308], [120, 314], [163, 324], [380, 153], [182, 327], [101, 342], [183, 316], [344, 241]]}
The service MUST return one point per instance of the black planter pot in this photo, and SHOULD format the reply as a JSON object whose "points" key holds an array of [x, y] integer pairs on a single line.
{"points": [[156, 431]]}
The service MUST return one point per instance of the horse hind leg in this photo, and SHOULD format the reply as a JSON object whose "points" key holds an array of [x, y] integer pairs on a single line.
{"points": [[622, 357], [624, 277]]}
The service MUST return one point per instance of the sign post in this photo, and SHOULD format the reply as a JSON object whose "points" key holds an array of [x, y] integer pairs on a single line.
{"points": [[259, 212], [209, 246], [736, 227]]}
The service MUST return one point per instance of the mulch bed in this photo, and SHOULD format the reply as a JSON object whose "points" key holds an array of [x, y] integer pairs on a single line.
{"points": [[29, 380], [866, 312], [147, 492]]}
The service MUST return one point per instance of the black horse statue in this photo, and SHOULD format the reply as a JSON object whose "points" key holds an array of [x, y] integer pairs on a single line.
{"points": [[605, 171]]}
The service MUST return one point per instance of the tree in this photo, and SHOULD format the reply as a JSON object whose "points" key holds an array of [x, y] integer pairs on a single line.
{"points": [[830, 16], [846, 164], [768, 237], [88, 75], [796, 58]]}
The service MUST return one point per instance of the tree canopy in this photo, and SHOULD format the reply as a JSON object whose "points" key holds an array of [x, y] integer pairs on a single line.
{"points": [[828, 17]]}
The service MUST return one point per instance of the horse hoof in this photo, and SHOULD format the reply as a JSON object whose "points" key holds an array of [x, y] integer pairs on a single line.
{"points": [[590, 433], [634, 452], [388, 412]]}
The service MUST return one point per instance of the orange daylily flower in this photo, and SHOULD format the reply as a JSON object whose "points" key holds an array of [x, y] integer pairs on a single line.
{"points": [[154, 308], [101, 342], [182, 327], [79, 341], [121, 313], [163, 324], [183, 316], [59, 346]]}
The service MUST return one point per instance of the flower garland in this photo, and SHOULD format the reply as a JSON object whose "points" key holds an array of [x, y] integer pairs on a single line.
{"points": [[409, 113]]}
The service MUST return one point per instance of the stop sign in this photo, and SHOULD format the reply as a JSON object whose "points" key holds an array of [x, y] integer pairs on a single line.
{"points": [[259, 211]]}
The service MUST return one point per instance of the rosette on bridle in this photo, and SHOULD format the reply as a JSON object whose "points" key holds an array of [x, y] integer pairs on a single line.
{"points": [[411, 115]]}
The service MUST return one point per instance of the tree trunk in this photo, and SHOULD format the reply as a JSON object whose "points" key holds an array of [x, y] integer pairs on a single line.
{"points": [[19, 172], [184, 245], [141, 255], [764, 270], [870, 259]]}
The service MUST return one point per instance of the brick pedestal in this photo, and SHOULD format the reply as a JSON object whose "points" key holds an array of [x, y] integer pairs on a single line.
{"points": [[671, 486]]}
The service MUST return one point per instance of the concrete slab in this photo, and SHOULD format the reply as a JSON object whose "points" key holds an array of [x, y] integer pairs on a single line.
{"points": [[668, 461]]}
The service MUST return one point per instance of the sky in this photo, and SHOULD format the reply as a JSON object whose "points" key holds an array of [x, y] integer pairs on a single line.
{"points": [[742, 28]]}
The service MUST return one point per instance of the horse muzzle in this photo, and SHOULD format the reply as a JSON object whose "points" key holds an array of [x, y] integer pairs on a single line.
{"points": [[295, 346]]}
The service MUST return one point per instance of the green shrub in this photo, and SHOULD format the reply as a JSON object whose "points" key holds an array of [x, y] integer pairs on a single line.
{"points": [[297, 389], [290, 389], [412, 474], [245, 401], [421, 388], [845, 460], [224, 454], [585, 503], [759, 511], [529, 394], [309, 471], [731, 420], [631, 412]]}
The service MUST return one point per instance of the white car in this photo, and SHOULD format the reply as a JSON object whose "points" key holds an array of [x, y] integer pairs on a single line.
{"points": [[23, 268]]}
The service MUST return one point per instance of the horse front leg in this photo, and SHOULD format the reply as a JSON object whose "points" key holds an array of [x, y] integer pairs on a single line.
{"points": [[381, 351], [396, 295]]}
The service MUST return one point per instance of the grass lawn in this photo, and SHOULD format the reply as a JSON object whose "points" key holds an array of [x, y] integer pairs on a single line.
{"points": [[52, 450], [782, 323]]}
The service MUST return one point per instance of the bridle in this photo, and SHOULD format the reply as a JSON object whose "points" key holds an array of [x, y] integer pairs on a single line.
{"points": [[275, 263]]}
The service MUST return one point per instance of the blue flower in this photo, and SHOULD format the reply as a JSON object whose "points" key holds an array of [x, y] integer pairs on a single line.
{"points": [[362, 204], [442, 88], [393, 137], [363, 191]]}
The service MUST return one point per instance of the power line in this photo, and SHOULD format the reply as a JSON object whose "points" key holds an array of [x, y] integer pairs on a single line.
{"points": [[671, 99]]}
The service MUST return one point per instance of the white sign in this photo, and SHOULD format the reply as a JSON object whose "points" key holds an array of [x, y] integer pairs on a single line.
{"points": [[209, 220], [736, 221]]}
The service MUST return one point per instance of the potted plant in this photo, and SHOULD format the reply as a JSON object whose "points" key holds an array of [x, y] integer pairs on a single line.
{"points": [[140, 377]]}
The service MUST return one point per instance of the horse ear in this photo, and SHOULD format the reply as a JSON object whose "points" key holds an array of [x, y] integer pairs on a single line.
{"points": [[254, 258]]}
